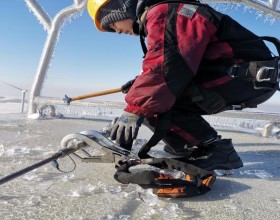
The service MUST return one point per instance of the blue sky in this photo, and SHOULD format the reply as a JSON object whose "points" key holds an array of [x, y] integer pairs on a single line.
{"points": [[85, 59]]}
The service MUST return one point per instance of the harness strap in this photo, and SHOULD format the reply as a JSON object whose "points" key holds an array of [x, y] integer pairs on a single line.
{"points": [[162, 125], [209, 101], [142, 19], [142, 34]]}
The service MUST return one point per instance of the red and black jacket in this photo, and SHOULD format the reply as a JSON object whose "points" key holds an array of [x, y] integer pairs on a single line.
{"points": [[187, 42]]}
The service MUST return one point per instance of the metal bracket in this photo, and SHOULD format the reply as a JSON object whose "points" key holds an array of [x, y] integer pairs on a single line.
{"points": [[264, 70], [98, 149]]}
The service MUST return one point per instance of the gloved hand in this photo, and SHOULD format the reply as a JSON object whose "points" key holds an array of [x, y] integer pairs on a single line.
{"points": [[126, 129], [125, 88]]}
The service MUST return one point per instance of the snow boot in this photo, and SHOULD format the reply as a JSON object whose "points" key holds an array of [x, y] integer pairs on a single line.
{"points": [[216, 155]]}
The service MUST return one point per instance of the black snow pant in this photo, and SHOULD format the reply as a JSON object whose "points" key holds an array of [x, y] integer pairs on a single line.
{"points": [[189, 128]]}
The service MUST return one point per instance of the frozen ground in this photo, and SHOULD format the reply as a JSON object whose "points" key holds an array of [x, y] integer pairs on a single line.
{"points": [[90, 192]]}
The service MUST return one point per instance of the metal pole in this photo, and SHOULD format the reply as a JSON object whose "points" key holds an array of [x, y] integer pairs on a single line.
{"points": [[23, 100], [273, 3]]}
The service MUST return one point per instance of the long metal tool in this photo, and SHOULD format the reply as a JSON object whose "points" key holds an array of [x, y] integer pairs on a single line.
{"points": [[82, 145], [67, 99]]}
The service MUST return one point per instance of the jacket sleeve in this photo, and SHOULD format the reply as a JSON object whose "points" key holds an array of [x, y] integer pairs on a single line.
{"points": [[171, 61]]}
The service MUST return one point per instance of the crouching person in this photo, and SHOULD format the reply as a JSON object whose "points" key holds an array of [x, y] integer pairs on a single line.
{"points": [[197, 62]]}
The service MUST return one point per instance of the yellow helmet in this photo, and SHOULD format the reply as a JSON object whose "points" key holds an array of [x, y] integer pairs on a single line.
{"points": [[93, 7]]}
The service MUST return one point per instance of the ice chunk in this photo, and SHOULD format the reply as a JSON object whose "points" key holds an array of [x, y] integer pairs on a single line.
{"points": [[86, 190], [148, 197], [74, 194], [34, 116], [171, 211], [1, 150], [17, 150], [258, 173], [131, 191], [115, 189], [101, 188], [223, 172], [74, 218], [252, 163], [68, 177], [116, 217], [230, 207], [30, 176]]}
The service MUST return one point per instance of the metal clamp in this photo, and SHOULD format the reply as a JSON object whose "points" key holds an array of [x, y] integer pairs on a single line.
{"points": [[260, 74]]}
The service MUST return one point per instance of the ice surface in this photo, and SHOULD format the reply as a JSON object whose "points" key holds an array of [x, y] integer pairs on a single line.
{"points": [[262, 174], [90, 192]]}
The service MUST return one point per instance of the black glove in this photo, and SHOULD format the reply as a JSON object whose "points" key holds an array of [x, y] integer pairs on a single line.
{"points": [[125, 88], [126, 129]]}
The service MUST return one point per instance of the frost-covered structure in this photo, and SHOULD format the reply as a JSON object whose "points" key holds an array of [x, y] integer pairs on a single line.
{"points": [[53, 27]]}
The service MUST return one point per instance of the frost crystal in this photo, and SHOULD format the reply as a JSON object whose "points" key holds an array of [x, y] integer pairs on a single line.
{"points": [[270, 8]]}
